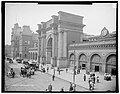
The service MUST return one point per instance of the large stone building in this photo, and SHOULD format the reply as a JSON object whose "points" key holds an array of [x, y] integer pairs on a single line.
{"points": [[92, 53], [22, 39]]}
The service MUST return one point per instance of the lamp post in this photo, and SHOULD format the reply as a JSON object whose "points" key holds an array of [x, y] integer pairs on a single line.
{"points": [[74, 68]]}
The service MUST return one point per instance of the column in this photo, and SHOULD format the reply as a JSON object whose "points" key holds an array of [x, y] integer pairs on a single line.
{"points": [[54, 26], [88, 65], [103, 65], [39, 39], [62, 49]]}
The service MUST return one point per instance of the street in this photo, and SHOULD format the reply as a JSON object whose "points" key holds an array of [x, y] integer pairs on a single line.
{"points": [[40, 81]]}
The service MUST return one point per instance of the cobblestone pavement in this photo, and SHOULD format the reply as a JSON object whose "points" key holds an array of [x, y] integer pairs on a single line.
{"points": [[40, 82]]}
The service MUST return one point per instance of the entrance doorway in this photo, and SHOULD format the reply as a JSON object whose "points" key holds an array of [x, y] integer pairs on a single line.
{"points": [[113, 71], [96, 68], [83, 66], [49, 50]]}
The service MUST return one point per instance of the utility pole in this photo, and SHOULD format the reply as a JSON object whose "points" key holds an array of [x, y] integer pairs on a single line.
{"points": [[74, 68]]}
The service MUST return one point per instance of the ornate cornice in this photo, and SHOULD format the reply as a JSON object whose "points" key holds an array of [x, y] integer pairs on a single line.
{"points": [[71, 24], [102, 46]]}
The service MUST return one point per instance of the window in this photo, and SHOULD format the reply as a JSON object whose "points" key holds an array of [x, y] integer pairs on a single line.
{"points": [[25, 42], [25, 48], [28, 42]]}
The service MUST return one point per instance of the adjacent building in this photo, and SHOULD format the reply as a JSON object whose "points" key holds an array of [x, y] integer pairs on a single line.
{"points": [[8, 50], [22, 39]]}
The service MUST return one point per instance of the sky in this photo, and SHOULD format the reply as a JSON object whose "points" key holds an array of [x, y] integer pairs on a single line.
{"points": [[96, 16]]}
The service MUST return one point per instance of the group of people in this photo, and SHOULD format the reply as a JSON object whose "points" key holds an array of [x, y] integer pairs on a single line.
{"points": [[27, 72], [71, 88], [91, 81], [11, 73]]}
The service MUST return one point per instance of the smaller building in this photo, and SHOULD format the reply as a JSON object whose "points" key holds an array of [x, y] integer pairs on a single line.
{"points": [[95, 53], [22, 39], [8, 50]]}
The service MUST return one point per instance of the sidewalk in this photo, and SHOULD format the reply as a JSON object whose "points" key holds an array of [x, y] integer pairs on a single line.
{"points": [[102, 86]]}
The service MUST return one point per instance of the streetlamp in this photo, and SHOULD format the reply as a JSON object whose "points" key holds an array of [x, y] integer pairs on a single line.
{"points": [[74, 68]]}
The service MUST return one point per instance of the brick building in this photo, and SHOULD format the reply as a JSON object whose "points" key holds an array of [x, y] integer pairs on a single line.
{"points": [[21, 40]]}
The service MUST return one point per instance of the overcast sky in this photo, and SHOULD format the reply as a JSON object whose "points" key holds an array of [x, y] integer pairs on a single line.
{"points": [[96, 16]]}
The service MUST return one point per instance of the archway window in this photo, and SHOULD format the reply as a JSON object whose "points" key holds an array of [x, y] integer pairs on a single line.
{"points": [[25, 56], [49, 50], [111, 64], [33, 56], [95, 58], [82, 61], [95, 63], [36, 56]]}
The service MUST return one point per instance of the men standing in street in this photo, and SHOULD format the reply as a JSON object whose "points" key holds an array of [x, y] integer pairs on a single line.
{"points": [[71, 87], [84, 77], [53, 77], [97, 79], [47, 68], [50, 88], [66, 70]]}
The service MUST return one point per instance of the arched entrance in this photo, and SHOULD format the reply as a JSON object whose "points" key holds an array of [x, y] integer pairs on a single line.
{"points": [[82, 61], [49, 50], [71, 65], [111, 64], [95, 63]]}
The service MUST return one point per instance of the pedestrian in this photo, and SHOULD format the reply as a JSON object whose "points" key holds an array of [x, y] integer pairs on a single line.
{"points": [[62, 90], [66, 70], [89, 81], [97, 79], [71, 87], [94, 79], [84, 77], [53, 77], [47, 68], [50, 88], [59, 72], [54, 71]]}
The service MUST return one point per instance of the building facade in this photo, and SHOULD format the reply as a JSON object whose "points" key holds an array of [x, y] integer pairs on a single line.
{"points": [[21, 40], [96, 53], [91, 53], [8, 50]]}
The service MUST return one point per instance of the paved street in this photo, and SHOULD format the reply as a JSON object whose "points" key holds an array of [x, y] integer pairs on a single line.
{"points": [[40, 81]]}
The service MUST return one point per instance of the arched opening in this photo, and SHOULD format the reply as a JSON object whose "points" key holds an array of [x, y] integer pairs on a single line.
{"points": [[20, 56], [72, 57], [49, 50], [95, 63], [33, 56], [36, 56], [82, 61], [25, 56], [111, 64]]}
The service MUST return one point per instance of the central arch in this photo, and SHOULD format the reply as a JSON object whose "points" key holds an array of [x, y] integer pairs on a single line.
{"points": [[49, 50]]}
